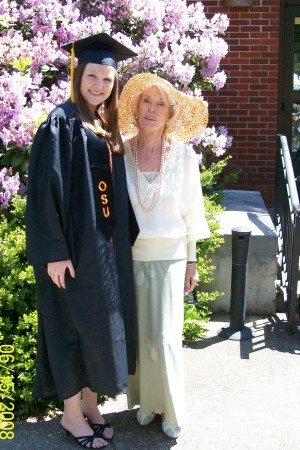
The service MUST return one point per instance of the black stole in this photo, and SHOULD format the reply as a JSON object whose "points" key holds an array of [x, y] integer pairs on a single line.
{"points": [[102, 177]]}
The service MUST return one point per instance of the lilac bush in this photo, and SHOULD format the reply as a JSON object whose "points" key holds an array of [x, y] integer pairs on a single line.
{"points": [[172, 39], [9, 185]]}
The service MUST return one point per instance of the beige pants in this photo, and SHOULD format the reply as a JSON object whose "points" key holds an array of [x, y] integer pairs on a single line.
{"points": [[158, 384]]}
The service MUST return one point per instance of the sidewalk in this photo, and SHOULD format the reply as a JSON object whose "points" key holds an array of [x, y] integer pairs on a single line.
{"points": [[241, 395]]}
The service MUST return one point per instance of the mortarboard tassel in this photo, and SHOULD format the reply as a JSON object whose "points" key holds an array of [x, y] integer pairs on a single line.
{"points": [[72, 73]]}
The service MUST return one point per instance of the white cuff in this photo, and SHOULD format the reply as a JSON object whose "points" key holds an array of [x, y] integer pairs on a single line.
{"points": [[191, 251]]}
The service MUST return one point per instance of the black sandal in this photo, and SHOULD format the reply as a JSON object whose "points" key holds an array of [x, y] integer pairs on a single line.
{"points": [[99, 429], [83, 441]]}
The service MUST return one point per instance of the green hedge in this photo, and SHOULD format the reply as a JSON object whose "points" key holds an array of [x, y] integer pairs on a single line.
{"points": [[197, 314], [18, 317]]}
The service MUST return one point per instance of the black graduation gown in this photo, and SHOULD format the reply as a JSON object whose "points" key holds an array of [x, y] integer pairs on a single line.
{"points": [[81, 338]]}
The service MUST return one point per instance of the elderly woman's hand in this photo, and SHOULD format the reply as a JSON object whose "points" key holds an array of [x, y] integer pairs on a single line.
{"points": [[191, 277], [57, 270]]}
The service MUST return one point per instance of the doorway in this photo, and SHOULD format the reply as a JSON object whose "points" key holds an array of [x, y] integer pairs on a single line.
{"points": [[289, 95]]}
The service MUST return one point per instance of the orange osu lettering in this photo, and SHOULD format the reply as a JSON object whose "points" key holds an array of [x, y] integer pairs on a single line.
{"points": [[104, 199], [106, 211], [102, 186]]}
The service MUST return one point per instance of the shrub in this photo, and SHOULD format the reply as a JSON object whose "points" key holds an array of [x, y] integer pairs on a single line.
{"points": [[197, 310], [18, 310]]}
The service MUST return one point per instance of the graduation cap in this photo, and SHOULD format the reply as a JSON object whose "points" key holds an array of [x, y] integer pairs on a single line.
{"points": [[98, 49]]}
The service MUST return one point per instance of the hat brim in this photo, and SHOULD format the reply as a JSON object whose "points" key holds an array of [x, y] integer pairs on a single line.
{"points": [[191, 112]]}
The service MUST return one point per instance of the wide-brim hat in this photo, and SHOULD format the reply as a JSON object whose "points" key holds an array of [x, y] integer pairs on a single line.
{"points": [[191, 112]]}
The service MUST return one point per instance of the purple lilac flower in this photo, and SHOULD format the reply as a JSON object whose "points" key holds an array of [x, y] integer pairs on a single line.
{"points": [[9, 185], [172, 32], [213, 141]]}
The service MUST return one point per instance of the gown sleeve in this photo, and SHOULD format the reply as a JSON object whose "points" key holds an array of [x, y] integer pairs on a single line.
{"points": [[194, 217], [48, 192]]}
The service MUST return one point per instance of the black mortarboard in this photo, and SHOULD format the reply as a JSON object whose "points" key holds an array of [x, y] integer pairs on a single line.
{"points": [[99, 49]]}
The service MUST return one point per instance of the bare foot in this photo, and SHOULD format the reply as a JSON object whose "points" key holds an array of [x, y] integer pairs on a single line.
{"points": [[82, 428]]}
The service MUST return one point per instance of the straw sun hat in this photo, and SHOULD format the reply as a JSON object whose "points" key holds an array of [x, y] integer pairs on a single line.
{"points": [[191, 114]]}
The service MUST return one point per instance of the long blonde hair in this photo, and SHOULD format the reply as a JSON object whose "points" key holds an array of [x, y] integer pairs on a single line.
{"points": [[110, 129]]}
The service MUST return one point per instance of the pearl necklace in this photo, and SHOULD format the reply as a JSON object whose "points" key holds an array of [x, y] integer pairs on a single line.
{"points": [[136, 176]]}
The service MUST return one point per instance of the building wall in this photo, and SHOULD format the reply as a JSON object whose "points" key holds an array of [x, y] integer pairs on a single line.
{"points": [[247, 105]]}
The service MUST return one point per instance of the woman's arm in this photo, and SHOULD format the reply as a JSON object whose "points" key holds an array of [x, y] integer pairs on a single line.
{"points": [[191, 276]]}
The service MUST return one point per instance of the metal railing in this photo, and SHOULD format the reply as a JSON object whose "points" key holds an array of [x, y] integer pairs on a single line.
{"points": [[287, 223]]}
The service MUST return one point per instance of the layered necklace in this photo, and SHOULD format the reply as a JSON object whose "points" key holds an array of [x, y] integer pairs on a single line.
{"points": [[157, 181]]}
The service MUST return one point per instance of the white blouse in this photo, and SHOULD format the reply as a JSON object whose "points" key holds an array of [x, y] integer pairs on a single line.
{"points": [[171, 229]]}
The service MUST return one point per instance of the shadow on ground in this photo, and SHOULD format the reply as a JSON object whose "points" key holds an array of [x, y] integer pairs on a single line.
{"points": [[47, 435], [271, 332]]}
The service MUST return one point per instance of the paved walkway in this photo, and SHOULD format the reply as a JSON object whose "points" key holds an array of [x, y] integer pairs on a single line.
{"points": [[241, 395]]}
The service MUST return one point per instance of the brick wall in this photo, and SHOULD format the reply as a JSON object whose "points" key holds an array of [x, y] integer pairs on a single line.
{"points": [[247, 105]]}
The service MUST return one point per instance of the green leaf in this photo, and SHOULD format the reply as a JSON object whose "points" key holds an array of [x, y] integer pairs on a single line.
{"points": [[38, 121], [17, 159], [23, 64]]}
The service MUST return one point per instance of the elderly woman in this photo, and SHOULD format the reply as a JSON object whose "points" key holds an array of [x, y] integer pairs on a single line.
{"points": [[164, 187]]}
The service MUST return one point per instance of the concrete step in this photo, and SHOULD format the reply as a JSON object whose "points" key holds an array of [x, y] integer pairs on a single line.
{"points": [[247, 209]]}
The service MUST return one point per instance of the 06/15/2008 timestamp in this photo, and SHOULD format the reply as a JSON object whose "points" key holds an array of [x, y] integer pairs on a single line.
{"points": [[6, 391]]}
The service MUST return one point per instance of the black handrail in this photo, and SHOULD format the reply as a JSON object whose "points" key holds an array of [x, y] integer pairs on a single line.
{"points": [[287, 223]]}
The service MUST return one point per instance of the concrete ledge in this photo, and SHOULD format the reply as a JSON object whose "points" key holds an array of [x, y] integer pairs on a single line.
{"points": [[247, 209]]}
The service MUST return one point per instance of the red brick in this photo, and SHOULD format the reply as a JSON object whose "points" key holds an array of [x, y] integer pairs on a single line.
{"points": [[247, 105]]}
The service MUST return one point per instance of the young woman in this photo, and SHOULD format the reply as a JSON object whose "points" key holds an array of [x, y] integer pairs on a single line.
{"points": [[164, 187], [79, 244]]}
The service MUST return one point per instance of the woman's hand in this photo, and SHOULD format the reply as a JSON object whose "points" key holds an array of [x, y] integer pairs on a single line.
{"points": [[191, 277], [57, 270]]}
